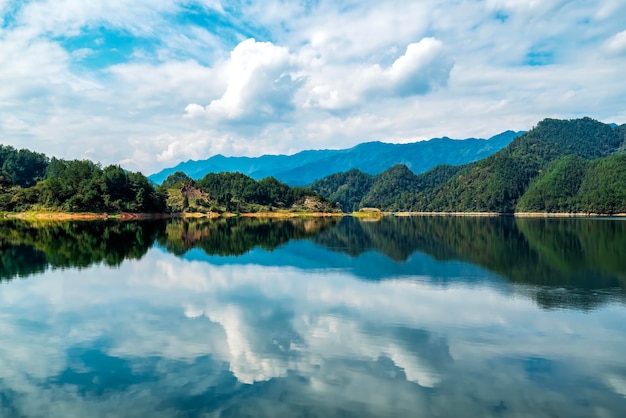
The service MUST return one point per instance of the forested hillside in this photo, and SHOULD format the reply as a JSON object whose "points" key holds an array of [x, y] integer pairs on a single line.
{"points": [[558, 166], [392, 190], [236, 192], [496, 183], [578, 185], [32, 181], [347, 188]]}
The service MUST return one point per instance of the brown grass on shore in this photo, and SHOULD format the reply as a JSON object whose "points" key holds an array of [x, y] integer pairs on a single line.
{"points": [[286, 215], [85, 216]]}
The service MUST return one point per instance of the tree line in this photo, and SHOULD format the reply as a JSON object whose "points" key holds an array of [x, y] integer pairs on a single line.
{"points": [[559, 166], [32, 181], [237, 192]]}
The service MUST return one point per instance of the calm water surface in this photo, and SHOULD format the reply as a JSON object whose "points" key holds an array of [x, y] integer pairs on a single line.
{"points": [[424, 317]]}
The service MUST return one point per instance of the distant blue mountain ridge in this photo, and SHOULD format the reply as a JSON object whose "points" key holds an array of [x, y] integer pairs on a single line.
{"points": [[370, 157]]}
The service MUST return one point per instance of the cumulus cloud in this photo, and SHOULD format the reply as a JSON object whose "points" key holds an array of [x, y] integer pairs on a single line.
{"points": [[283, 77], [261, 85], [423, 67]]}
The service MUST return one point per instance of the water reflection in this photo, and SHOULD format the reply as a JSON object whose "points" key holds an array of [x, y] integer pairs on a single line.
{"points": [[32, 247], [325, 317], [559, 263], [163, 336]]}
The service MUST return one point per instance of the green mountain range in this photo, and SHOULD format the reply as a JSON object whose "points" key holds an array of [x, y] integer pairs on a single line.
{"points": [[559, 166], [371, 157]]}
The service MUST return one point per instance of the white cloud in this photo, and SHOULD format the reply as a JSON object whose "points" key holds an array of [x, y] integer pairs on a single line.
{"points": [[261, 85], [617, 44], [320, 74], [67, 17], [423, 67], [169, 149]]}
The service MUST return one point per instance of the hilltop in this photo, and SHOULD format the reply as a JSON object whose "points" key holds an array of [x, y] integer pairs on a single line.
{"points": [[370, 157], [32, 182], [559, 166]]}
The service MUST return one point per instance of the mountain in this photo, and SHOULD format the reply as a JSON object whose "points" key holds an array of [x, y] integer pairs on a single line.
{"points": [[496, 183], [559, 166], [371, 157], [578, 185]]}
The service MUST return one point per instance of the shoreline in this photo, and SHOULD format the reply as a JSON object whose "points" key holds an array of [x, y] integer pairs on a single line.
{"points": [[514, 214], [126, 216]]}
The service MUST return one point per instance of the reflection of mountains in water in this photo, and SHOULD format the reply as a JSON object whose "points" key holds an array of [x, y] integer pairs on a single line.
{"points": [[582, 253], [565, 262], [31, 247], [237, 236], [580, 256]]}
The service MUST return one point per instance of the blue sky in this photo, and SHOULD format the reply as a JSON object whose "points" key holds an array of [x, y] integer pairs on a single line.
{"points": [[149, 83]]}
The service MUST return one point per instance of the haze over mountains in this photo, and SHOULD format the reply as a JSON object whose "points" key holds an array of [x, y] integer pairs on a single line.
{"points": [[370, 157]]}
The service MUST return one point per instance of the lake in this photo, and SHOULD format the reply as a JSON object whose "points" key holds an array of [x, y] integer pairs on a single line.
{"points": [[324, 317]]}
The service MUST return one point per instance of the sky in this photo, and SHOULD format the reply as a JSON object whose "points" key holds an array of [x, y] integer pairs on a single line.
{"points": [[149, 83]]}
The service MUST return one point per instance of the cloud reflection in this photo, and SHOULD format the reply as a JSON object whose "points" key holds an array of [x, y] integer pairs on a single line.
{"points": [[163, 336]]}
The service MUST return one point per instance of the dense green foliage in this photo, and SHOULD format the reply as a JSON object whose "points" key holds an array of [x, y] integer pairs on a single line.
{"points": [[603, 189], [236, 192], [348, 188], [30, 181], [559, 166], [21, 168], [496, 183], [574, 184], [371, 157], [177, 180], [556, 190], [392, 190]]}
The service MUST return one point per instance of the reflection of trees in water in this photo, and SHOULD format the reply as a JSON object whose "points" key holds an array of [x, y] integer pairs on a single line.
{"points": [[578, 252], [30, 247], [237, 236], [20, 261], [581, 254]]}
